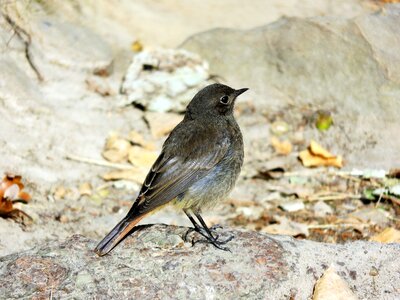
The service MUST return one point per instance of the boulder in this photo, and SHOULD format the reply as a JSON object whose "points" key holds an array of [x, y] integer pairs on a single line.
{"points": [[156, 263], [349, 67]]}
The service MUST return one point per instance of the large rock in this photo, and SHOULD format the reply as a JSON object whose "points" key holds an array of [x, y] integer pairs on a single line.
{"points": [[347, 66], [155, 263]]}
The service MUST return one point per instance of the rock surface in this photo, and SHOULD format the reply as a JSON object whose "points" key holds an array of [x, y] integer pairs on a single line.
{"points": [[155, 263], [164, 80], [346, 66]]}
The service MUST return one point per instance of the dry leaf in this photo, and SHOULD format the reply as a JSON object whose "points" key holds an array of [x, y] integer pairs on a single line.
{"points": [[136, 46], [116, 149], [136, 175], [332, 287], [389, 235], [85, 189], [317, 156], [318, 150], [286, 227], [60, 192], [162, 123], [394, 173], [141, 158], [281, 147], [10, 193], [138, 139]]}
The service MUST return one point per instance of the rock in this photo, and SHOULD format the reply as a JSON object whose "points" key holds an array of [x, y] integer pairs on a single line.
{"points": [[321, 209], [69, 45], [335, 64], [17, 90], [164, 80], [154, 262], [292, 206], [371, 215]]}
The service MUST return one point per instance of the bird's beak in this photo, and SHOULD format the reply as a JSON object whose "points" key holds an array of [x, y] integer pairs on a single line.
{"points": [[239, 92]]}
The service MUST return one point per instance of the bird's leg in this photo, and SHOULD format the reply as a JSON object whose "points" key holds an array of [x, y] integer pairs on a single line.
{"points": [[196, 226], [213, 240]]}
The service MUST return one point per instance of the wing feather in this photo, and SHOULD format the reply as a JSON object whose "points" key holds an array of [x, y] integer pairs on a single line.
{"points": [[176, 169]]}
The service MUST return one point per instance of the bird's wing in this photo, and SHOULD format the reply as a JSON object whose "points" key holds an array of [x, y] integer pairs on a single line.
{"points": [[188, 155]]}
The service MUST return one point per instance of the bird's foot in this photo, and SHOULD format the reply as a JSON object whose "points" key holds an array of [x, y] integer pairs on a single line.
{"points": [[214, 240]]}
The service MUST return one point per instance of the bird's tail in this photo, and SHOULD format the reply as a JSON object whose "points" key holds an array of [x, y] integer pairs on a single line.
{"points": [[117, 234]]}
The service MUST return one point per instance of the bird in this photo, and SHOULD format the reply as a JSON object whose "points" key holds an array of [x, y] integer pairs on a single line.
{"points": [[198, 166]]}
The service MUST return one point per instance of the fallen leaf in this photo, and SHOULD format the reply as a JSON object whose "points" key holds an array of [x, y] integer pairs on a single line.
{"points": [[85, 189], [323, 120], [332, 287], [136, 46], [137, 139], [116, 149], [11, 192], [281, 147], [60, 192], [140, 157], [135, 175], [394, 173], [99, 85], [316, 156], [389, 235], [286, 227], [162, 123], [318, 150]]}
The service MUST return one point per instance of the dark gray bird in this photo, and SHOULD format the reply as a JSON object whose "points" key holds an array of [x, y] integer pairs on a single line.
{"points": [[198, 165]]}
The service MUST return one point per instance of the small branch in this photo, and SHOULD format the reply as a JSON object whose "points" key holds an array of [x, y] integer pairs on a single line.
{"points": [[328, 226], [331, 197], [26, 39], [99, 162]]}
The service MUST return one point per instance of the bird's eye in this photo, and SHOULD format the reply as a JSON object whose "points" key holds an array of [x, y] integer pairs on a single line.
{"points": [[224, 99]]}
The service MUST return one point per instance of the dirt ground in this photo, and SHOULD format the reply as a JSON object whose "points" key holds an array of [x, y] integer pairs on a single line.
{"points": [[54, 138]]}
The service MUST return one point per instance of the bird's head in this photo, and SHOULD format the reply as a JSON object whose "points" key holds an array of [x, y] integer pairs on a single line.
{"points": [[214, 99]]}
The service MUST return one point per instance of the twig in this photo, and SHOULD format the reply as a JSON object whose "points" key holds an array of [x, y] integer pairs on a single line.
{"points": [[26, 39], [331, 197], [99, 162], [328, 226]]}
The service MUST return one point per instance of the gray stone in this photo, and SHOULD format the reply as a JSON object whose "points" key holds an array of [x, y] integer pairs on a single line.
{"points": [[155, 263], [321, 209], [69, 45], [348, 66], [164, 80]]}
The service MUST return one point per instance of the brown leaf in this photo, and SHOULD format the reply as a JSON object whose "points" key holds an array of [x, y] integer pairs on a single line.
{"points": [[116, 149], [394, 173], [136, 175], [10, 192], [162, 123], [281, 147], [60, 192], [286, 227], [140, 157], [85, 189], [389, 235], [316, 156], [332, 287]]}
